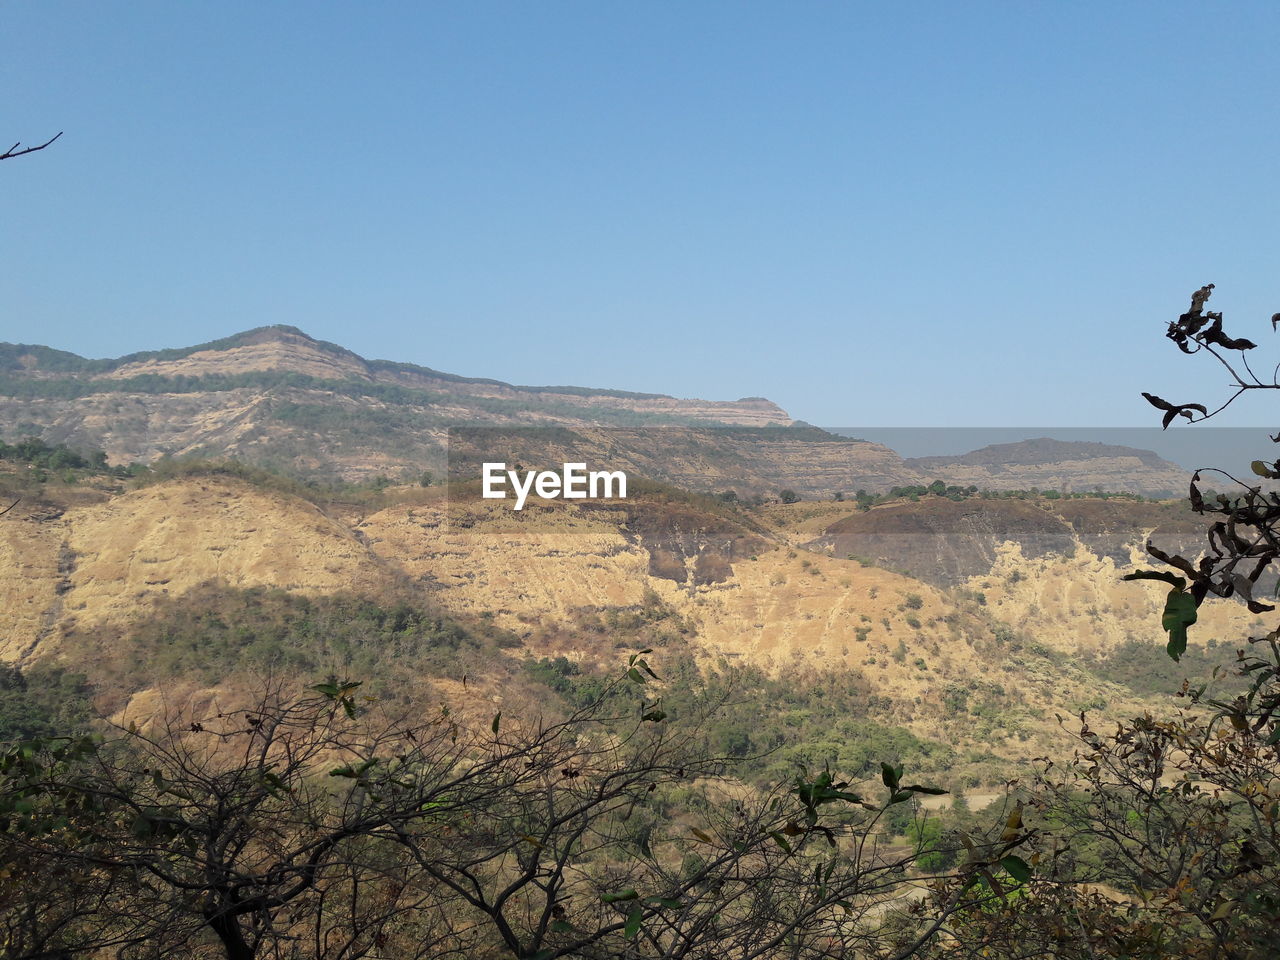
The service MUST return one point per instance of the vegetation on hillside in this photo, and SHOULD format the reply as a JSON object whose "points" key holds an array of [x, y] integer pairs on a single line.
{"points": [[321, 826], [43, 701], [938, 488]]}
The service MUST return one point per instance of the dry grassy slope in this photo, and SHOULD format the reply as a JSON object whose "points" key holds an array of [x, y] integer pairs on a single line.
{"points": [[779, 607], [1080, 603], [119, 555], [782, 608], [103, 562], [774, 603], [284, 351], [517, 574], [31, 545]]}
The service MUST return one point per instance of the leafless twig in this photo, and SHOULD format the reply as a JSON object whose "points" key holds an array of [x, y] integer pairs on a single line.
{"points": [[15, 152]]}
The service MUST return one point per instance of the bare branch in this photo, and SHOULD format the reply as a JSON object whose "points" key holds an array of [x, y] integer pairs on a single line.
{"points": [[15, 152]]}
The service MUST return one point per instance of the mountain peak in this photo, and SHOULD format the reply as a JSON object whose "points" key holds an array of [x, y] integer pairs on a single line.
{"points": [[275, 387]]}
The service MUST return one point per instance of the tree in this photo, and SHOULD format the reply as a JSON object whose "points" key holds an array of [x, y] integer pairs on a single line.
{"points": [[1246, 542], [1162, 839], [214, 830], [1159, 841], [316, 826]]}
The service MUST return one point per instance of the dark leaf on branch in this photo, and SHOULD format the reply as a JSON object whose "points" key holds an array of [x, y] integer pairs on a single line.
{"points": [[1179, 613], [1174, 410], [1215, 335], [1017, 868]]}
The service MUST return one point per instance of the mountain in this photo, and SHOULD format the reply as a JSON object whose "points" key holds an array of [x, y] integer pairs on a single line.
{"points": [[1067, 466], [278, 398]]}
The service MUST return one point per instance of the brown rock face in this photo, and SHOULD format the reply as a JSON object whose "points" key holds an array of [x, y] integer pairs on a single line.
{"points": [[275, 396], [944, 542]]}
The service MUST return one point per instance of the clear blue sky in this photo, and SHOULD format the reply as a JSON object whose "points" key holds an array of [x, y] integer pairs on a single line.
{"points": [[891, 214]]}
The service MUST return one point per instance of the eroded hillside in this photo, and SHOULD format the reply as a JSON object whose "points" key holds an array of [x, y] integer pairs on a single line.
{"points": [[84, 565], [278, 397], [1012, 639]]}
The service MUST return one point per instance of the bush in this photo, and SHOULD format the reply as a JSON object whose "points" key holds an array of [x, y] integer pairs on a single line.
{"points": [[42, 701]]}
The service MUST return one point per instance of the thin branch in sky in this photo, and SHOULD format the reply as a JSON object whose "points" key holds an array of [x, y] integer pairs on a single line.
{"points": [[15, 152]]}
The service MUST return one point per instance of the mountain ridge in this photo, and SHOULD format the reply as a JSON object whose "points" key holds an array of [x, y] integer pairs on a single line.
{"points": [[275, 397], [12, 356]]}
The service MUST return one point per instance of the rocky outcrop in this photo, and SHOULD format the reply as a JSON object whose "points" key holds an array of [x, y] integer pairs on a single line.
{"points": [[945, 542]]}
